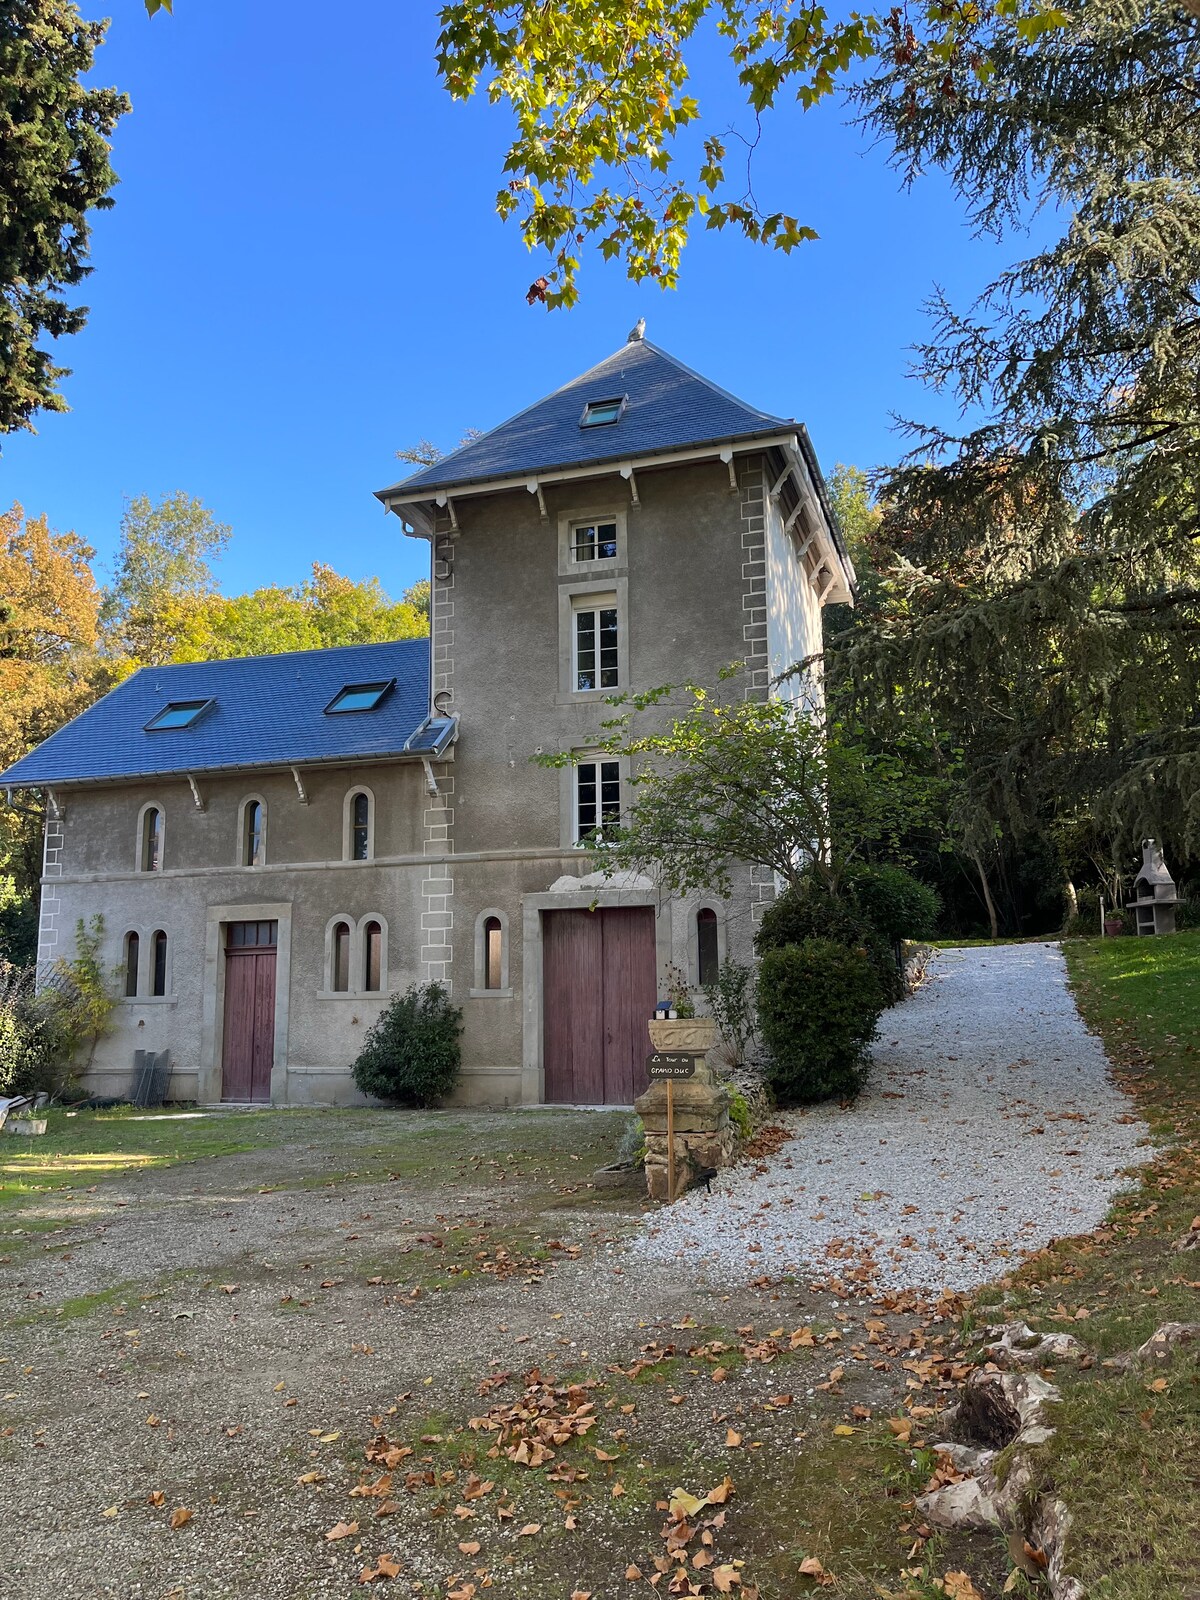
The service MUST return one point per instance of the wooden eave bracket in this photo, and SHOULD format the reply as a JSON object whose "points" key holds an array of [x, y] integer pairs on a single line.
{"points": [[197, 797], [300, 789], [447, 504]]}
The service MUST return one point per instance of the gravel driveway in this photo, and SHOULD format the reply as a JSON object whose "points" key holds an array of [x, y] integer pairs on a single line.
{"points": [[989, 1126]]}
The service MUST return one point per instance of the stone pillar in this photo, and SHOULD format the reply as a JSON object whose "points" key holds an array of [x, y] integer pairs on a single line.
{"points": [[704, 1135]]}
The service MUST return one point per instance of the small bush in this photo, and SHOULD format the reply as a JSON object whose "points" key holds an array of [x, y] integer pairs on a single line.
{"points": [[900, 906], [731, 1005], [818, 1007], [739, 1115], [412, 1054], [24, 1067], [809, 911]]}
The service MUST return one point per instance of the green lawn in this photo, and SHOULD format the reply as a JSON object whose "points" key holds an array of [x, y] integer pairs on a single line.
{"points": [[1127, 1452]]}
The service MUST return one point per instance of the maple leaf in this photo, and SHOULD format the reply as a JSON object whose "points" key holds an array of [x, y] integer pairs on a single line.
{"points": [[469, 1547], [958, 1586], [180, 1517], [342, 1530], [724, 1578], [810, 1567], [386, 1567]]}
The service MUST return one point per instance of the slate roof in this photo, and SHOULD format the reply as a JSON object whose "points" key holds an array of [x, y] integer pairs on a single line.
{"points": [[269, 712], [669, 407]]}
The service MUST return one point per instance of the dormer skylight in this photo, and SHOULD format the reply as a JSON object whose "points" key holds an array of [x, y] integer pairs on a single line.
{"points": [[598, 412], [360, 696], [179, 714]]}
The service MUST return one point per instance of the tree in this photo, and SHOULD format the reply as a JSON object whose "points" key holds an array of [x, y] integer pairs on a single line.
{"points": [[49, 672], [54, 170], [600, 93], [163, 568], [1042, 606], [725, 780], [327, 610]]}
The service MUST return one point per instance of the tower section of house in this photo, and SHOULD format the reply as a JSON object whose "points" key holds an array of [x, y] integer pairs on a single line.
{"points": [[638, 527], [279, 845]]}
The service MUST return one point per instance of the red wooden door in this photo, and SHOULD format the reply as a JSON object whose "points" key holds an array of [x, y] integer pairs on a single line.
{"points": [[249, 1036], [598, 985]]}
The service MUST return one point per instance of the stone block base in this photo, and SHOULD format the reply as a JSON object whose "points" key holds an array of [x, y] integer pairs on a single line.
{"points": [[704, 1135]]}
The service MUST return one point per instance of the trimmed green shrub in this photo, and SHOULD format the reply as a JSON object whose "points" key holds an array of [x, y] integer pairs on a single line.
{"points": [[818, 1007], [900, 906], [809, 911], [24, 1068], [412, 1054]]}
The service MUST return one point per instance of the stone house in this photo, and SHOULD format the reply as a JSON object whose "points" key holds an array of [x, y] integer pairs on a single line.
{"points": [[279, 844]]}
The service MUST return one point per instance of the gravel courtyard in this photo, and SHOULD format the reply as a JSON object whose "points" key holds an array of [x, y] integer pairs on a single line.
{"points": [[989, 1125]]}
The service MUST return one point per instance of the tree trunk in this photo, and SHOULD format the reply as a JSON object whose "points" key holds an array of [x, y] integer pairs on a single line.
{"points": [[1072, 900], [987, 897]]}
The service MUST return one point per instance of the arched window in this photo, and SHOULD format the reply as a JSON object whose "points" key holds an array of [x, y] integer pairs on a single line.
{"points": [[254, 818], [707, 958], [150, 844], [159, 986], [340, 959], [493, 953], [359, 826], [372, 956], [132, 946]]}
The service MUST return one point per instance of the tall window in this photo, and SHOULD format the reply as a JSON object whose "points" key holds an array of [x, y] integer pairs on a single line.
{"points": [[159, 986], [341, 958], [593, 541], [132, 946], [597, 798], [707, 960], [596, 648], [360, 827], [372, 958], [493, 953], [151, 843], [252, 834]]}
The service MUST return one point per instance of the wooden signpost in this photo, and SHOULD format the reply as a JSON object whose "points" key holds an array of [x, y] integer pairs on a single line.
{"points": [[670, 1065]]}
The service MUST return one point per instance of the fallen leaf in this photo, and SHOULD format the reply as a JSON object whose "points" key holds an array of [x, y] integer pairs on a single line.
{"points": [[958, 1586], [469, 1547], [180, 1517], [843, 1430], [110, 1511], [386, 1567], [724, 1578], [342, 1530], [528, 1530], [810, 1567], [633, 1573], [732, 1438]]}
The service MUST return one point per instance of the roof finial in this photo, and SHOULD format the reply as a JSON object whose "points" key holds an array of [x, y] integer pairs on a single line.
{"points": [[638, 332]]}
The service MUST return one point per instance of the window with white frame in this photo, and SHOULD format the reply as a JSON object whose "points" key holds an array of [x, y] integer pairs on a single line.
{"points": [[595, 661], [597, 798], [593, 541]]}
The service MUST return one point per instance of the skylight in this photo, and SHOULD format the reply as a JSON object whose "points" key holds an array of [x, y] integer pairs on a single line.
{"points": [[360, 696], [598, 412], [178, 714]]}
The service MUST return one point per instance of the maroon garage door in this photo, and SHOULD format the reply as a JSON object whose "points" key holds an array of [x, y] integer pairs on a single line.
{"points": [[249, 1038], [598, 974]]}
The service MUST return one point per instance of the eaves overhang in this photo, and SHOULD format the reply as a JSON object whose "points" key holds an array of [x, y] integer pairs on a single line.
{"points": [[443, 751], [421, 504]]}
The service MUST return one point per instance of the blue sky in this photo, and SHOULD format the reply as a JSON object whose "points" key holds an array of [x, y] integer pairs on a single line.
{"points": [[304, 272]]}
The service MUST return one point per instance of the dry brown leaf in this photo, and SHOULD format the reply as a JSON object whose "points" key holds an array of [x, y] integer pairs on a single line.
{"points": [[469, 1547], [155, 1498], [180, 1517], [529, 1530], [342, 1530], [386, 1567], [732, 1438], [633, 1573], [724, 1578], [958, 1586], [810, 1567]]}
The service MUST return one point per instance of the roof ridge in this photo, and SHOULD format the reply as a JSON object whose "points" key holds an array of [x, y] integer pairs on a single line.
{"points": [[470, 444], [272, 655], [726, 394]]}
